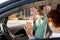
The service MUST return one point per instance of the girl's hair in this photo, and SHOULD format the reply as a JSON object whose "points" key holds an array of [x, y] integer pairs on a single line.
{"points": [[55, 16]]}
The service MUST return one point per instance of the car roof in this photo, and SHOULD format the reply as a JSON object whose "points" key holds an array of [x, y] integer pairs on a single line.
{"points": [[7, 3]]}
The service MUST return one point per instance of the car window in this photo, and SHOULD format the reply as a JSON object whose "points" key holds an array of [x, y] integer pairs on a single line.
{"points": [[39, 25], [19, 19]]}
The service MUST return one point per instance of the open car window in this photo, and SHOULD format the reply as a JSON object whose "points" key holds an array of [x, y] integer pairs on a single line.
{"points": [[18, 20]]}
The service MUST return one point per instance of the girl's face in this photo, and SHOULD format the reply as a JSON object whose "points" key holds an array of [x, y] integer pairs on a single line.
{"points": [[51, 26]]}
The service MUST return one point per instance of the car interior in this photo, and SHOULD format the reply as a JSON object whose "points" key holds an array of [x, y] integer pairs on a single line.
{"points": [[15, 13]]}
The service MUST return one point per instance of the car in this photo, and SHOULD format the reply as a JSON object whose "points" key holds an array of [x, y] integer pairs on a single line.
{"points": [[12, 29]]}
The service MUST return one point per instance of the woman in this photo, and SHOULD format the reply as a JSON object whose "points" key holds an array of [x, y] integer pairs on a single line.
{"points": [[39, 24]]}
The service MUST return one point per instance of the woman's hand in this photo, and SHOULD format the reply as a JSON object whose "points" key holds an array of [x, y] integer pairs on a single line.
{"points": [[28, 28]]}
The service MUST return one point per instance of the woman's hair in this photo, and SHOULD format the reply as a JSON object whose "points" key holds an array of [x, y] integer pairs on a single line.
{"points": [[40, 8], [55, 16]]}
